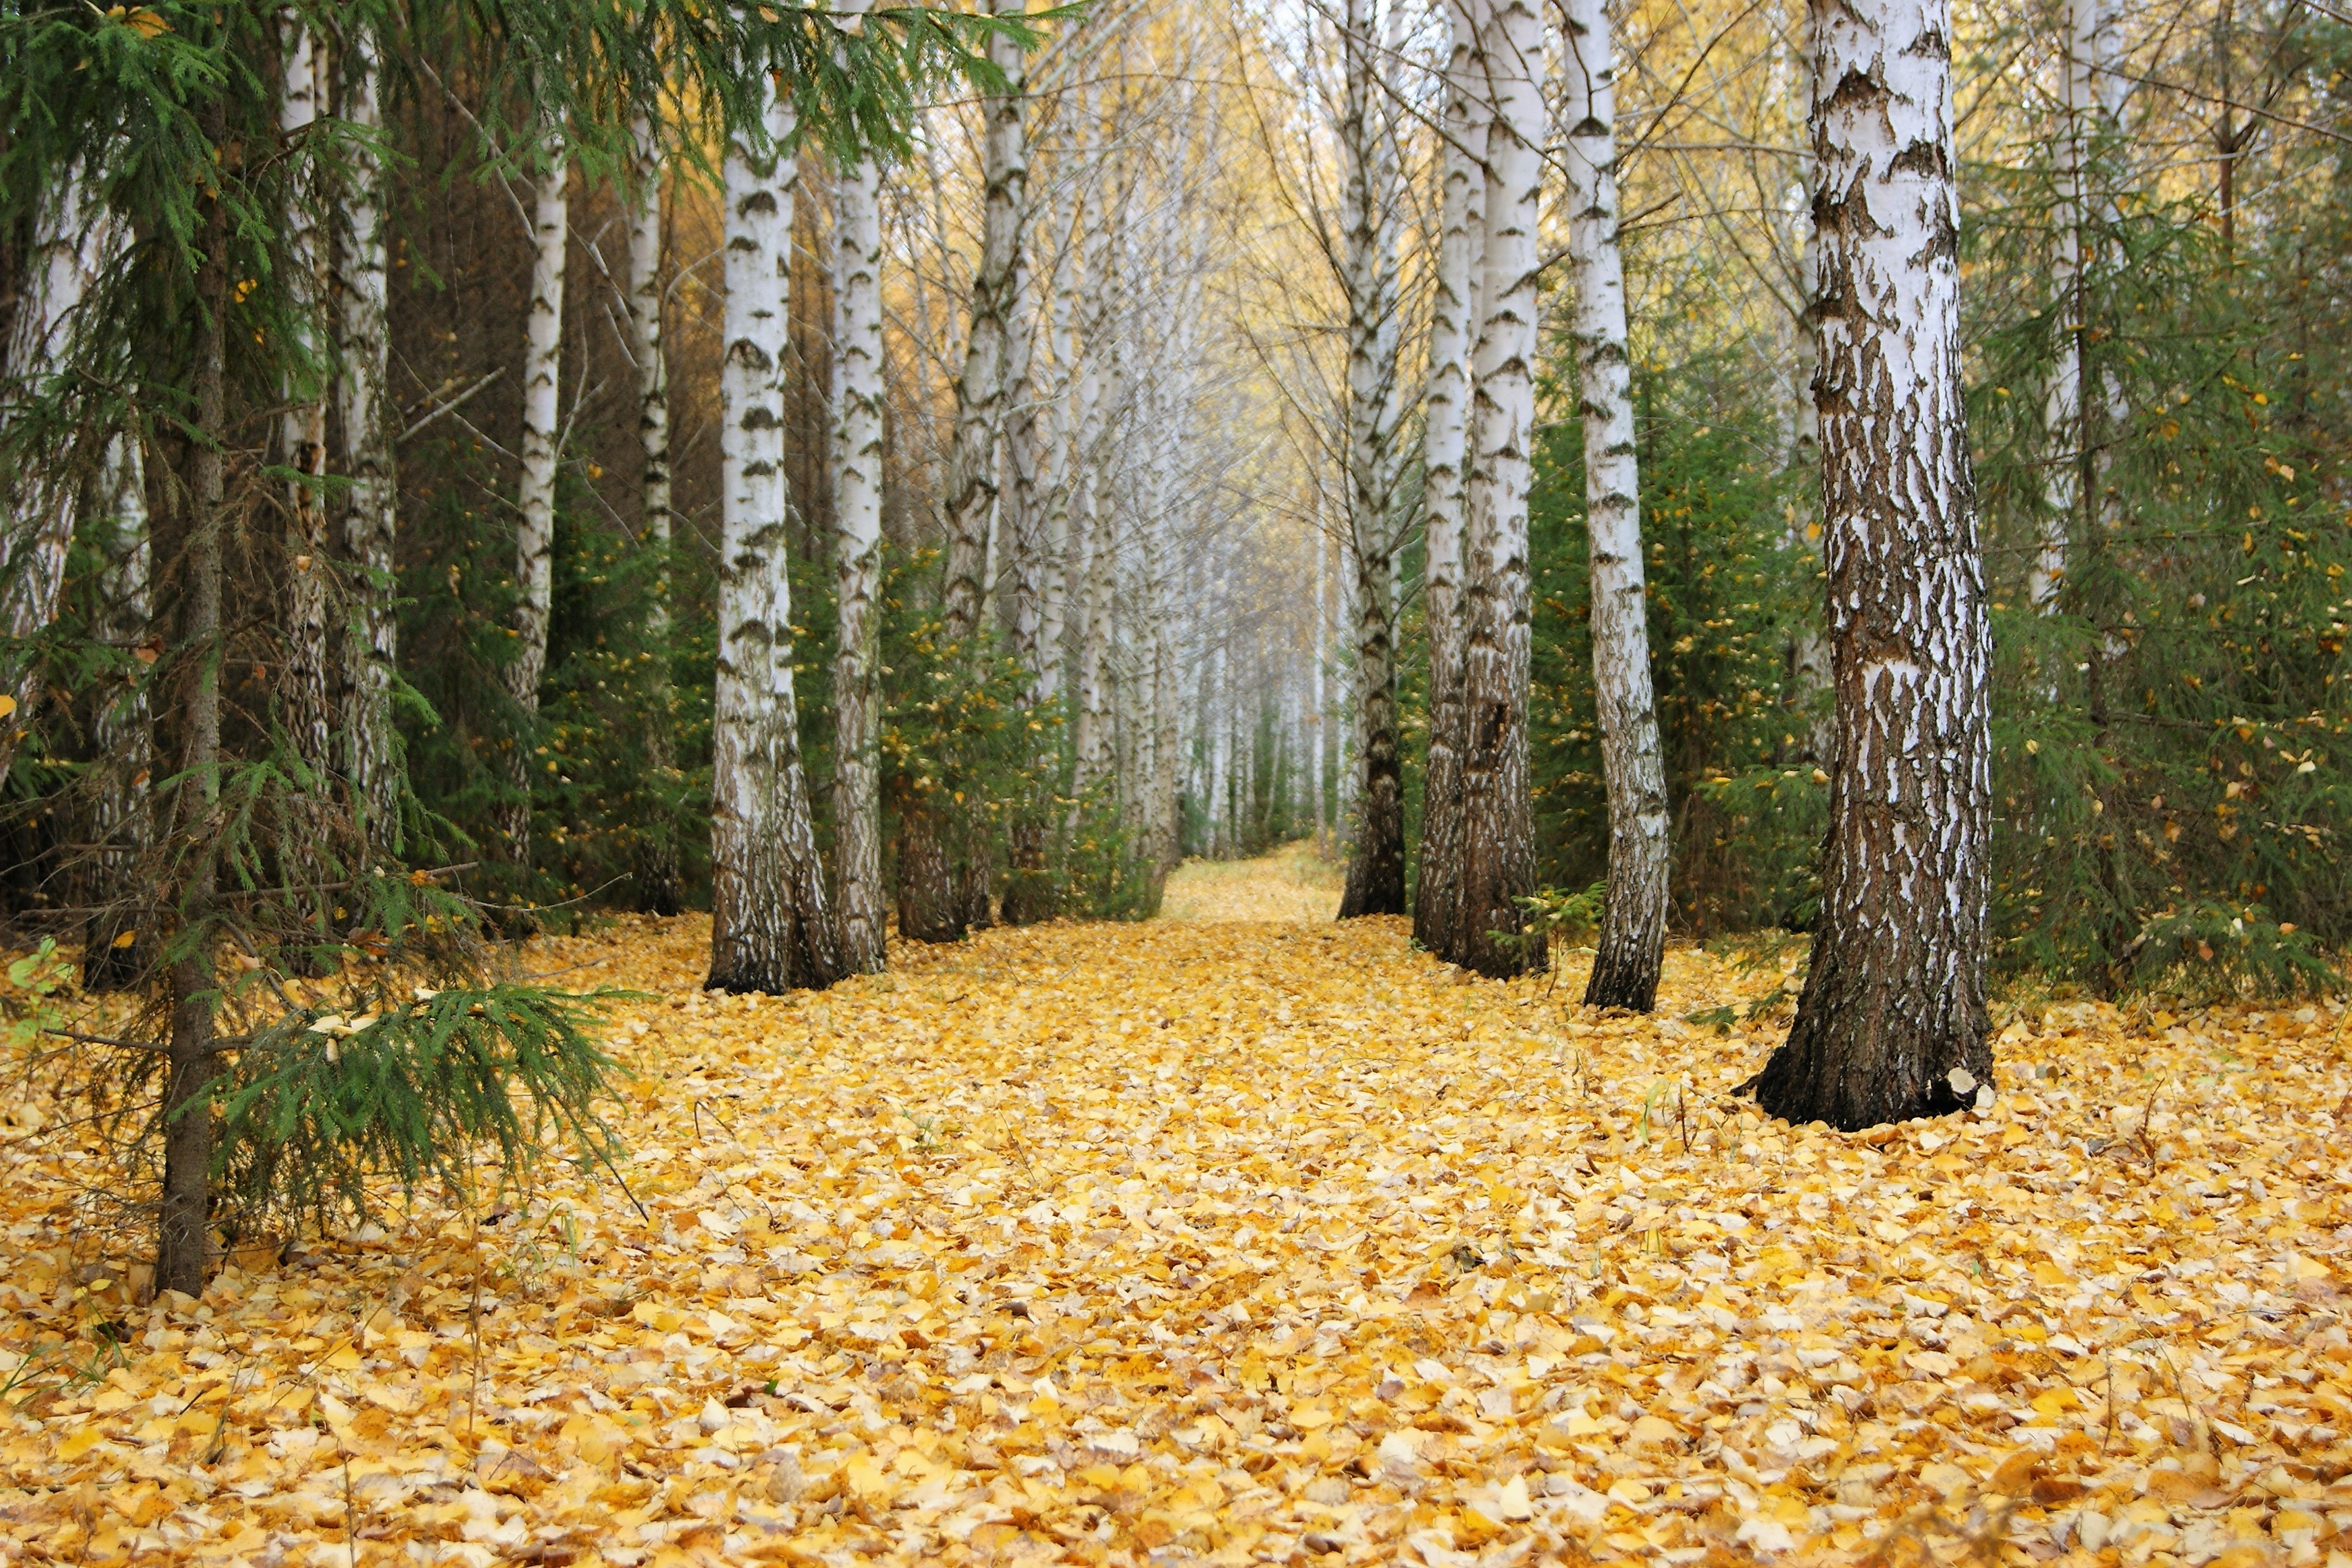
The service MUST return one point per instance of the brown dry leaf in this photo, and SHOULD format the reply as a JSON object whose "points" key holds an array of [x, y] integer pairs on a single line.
{"points": [[1251, 1239]]}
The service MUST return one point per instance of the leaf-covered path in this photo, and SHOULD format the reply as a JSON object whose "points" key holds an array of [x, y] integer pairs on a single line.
{"points": [[1249, 1238]]}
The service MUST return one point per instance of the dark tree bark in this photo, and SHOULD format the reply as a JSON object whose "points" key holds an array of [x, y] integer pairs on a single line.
{"points": [[184, 1232], [1892, 1021]]}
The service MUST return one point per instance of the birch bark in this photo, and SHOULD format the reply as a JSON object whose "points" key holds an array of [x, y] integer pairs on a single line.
{"points": [[308, 692], [372, 637], [73, 242], [660, 888], [769, 928], [1498, 826], [1437, 902], [2094, 99], [1633, 937], [1892, 1021], [859, 393], [535, 532], [942, 911], [1376, 869]]}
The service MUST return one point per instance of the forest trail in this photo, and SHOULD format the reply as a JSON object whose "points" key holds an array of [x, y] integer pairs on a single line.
{"points": [[1248, 1239]]}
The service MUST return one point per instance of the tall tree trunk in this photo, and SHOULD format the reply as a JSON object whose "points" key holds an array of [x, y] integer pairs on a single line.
{"points": [[1437, 892], [1317, 719], [1498, 860], [1892, 1021], [2070, 484], [1376, 871], [858, 396], [1633, 924], [535, 532], [973, 489], [1809, 651], [73, 242], [1029, 895], [1093, 522], [307, 691], [121, 815], [372, 758], [660, 886], [769, 928], [183, 1231]]}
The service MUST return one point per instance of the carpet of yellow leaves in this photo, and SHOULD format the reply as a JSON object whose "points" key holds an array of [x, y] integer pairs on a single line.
{"points": [[1250, 1241]]}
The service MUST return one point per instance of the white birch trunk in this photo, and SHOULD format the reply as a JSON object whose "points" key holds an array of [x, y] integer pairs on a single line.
{"points": [[659, 890], [1892, 1021], [2094, 98], [363, 325], [535, 531], [1376, 869], [769, 928], [1809, 652], [308, 692], [1437, 904], [971, 484], [73, 242], [859, 394], [1498, 826], [1633, 937]]}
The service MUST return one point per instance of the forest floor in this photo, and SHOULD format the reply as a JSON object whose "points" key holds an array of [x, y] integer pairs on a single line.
{"points": [[1241, 1236]]}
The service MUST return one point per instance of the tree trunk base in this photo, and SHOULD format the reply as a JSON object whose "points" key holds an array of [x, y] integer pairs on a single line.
{"points": [[1854, 1064]]}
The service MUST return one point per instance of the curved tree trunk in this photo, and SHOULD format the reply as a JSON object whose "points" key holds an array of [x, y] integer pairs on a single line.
{"points": [[858, 408], [1437, 891], [535, 532], [1499, 859], [1633, 924], [372, 639], [660, 887], [769, 930], [1892, 1021], [1376, 869]]}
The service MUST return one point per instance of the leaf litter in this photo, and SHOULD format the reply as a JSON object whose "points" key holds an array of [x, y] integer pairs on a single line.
{"points": [[1248, 1240]]}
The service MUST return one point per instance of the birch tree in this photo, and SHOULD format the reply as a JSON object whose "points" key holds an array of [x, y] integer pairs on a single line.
{"points": [[363, 325], [1498, 830], [74, 240], [770, 930], [1376, 868], [858, 407], [1633, 936], [942, 910], [307, 692], [1436, 905], [2093, 107], [541, 438], [661, 889], [1892, 1020]]}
